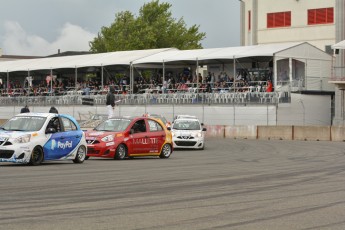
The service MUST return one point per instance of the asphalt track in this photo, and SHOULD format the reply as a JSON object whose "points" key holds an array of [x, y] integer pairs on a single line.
{"points": [[232, 184]]}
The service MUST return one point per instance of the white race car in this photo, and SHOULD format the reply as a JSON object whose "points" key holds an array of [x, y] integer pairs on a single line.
{"points": [[32, 138], [188, 133]]}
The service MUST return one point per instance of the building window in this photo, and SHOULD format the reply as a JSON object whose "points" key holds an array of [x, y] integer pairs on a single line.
{"points": [[279, 19], [320, 16], [249, 20]]}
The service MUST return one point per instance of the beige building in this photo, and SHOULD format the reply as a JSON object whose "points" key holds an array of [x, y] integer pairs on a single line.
{"points": [[280, 21]]}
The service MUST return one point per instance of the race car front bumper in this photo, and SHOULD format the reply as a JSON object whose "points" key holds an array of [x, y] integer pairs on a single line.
{"points": [[19, 154]]}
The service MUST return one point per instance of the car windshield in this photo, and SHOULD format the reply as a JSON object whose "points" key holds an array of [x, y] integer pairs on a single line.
{"points": [[28, 123], [186, 125], [113, 125]]}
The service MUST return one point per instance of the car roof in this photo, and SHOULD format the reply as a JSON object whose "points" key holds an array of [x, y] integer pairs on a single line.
{"points": [[187, 119], [186, 116], [131, 118], [32, 114]]}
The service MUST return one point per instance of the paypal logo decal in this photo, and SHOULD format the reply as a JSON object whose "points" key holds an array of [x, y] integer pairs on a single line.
{"points": [[61, 145], [53, 144]]}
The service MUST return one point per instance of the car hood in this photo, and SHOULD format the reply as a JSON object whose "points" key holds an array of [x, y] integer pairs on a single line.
{"points": [[185, 132], [13, 134], [96, 134]]}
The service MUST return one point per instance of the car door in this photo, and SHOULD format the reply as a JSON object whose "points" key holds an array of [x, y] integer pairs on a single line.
{"points": [[156, 136], [139, 137], [52, 149], [64, 140], [72, 134]]}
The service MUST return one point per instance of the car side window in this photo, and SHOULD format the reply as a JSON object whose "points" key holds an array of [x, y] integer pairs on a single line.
{"points": [[68, 124], [154, 126], [54, 123], [139, 126]]}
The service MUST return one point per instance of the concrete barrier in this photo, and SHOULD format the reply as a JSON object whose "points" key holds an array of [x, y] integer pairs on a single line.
{"points": [[2, 121], [215, 131], [312, 133], [275, 132], [308, 133], [337, 133], [241, 132]]}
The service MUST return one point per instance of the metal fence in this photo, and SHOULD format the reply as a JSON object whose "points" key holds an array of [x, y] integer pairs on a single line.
{"points": [[153, 98]]}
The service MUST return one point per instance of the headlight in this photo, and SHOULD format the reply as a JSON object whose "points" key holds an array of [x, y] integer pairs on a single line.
{"points": [[23, 139], [198, 134], [108, 138]]}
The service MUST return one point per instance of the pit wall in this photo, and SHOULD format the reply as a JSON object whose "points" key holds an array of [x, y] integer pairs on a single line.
{"points": [[305, 133]]}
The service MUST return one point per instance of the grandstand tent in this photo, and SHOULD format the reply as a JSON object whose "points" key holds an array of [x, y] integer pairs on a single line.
{"points": [[312, 69]]}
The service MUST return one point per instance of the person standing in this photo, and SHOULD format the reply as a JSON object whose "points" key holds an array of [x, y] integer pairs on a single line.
{"points": [[25, 109], [110, 101], [53, 110], [269, 87]]}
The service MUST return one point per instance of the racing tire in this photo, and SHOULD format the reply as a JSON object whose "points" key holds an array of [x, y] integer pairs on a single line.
{"points": [[166, 151], [81, 155], [121, 152], [37, 156]]}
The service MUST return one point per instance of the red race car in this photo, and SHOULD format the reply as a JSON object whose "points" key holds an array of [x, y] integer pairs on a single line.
{"points": [[121, 137]]}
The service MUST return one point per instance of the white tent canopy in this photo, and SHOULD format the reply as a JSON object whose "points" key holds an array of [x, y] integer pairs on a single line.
{"points": [[152, 56], [217, 53], [161, 58], [78, 61], [339, 45]]}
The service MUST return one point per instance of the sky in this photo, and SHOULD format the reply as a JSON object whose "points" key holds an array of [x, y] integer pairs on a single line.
{"points": [[42, 27]]}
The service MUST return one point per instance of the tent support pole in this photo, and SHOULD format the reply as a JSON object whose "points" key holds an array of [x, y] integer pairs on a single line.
{"points": [[163, 74], [51, 82], [234, 82], [27, 80], [8, 81], [76, 78], [197, 75], [290, 70], [102, 84], [131, 78], [275, 77]]}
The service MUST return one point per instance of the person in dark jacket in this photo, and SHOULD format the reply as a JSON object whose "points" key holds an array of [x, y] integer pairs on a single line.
{"points": [[25, 109], [110, 101], [53, 110]]}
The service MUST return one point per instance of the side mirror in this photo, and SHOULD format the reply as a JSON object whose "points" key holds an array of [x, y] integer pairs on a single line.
{"points": [[202, 124], [204, 129], [51, 130]]}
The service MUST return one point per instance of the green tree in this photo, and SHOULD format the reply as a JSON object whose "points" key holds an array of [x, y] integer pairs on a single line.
{"points": [[153, 28]]}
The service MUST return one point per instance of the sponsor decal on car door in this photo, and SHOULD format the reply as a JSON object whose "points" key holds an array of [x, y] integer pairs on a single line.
{"points": [[141, 143]]}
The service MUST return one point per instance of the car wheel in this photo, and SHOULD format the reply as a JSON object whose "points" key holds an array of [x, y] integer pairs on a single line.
{"points": [[81, 155], [166, 151], [37, 156], [121, 152]]}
